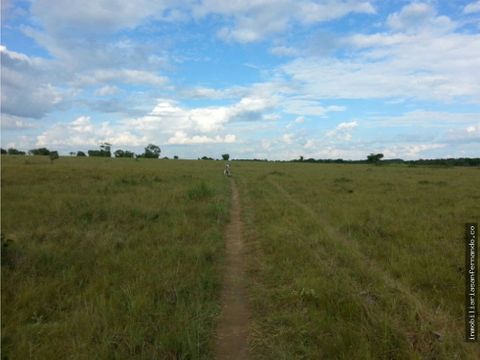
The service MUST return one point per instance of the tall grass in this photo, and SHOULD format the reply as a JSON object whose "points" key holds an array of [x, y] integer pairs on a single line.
{"points": [[358, 261], [116, 258], [111, 258]]}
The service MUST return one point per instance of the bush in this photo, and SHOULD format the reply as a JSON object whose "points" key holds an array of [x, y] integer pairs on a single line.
{"points": [[13, 151], [40, 151], [53, 155], [123, 153], [99, 153]]}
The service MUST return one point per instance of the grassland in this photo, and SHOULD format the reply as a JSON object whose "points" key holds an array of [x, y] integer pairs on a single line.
{"points": [[111, 258], [116, 258], [358, 262]]}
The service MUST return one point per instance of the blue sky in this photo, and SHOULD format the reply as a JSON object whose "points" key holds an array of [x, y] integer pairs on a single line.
{"points": [[253, 78]]}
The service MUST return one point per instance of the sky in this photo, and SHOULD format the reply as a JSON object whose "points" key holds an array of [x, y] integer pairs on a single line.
{"points": [[275, 79]]}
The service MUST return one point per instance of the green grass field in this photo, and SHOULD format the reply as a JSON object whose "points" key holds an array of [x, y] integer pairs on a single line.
{"points": [[121, 259], [111, 258]]}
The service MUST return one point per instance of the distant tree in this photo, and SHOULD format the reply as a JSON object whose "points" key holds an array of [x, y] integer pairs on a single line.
{"points": [[374, 158], [3, 151], [13, 151], [106, 146], [105, 149], [225, 156], [152, 151], [175, 157], [301, 157], [206, 158], [40, 151], [123, 153], [103, 152], [81, 153], [72, 153], [53, 156]]}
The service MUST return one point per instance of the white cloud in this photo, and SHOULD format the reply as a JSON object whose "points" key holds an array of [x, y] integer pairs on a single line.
{"points": [[82, 132], [181, 138], [271, 117], [419, 16], [168, 117], [473, 129], [422, 66], [287, 138], [11, 122], [469, 134], [471, 8], [409, 151], [309, 144], [26, 91], [342, 131], [301, 106], [253, 20]]}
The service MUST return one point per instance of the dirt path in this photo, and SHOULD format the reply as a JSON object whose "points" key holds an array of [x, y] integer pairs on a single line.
{"points": [[232, 330]]}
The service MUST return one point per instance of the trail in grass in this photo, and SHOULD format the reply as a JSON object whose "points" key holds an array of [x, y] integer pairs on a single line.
{"points": [[232, 329], [438, 317]]}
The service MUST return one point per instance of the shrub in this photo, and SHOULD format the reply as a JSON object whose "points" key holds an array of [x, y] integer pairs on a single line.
{"points": [[40, 151], [53, 155], [13, 151]]}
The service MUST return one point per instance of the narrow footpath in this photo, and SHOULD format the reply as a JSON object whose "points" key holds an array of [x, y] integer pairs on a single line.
{"points": [[232, 330]]}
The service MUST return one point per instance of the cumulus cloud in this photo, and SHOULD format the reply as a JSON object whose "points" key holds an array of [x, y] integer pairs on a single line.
{"points": [[419, 16], [424, 66], [26, 91], [170, 117], [82, 132], [182, 138], [342, 131], [468, 134], [253, 20]]}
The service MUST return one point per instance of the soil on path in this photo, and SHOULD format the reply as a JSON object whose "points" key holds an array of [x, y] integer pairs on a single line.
{"points": [[232, 331]]}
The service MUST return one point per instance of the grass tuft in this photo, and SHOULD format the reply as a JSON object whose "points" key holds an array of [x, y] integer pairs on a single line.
{"points": [[200, 191]]}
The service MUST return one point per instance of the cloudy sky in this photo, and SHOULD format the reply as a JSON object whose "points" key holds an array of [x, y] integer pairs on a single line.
{"points": [[255, 78]]}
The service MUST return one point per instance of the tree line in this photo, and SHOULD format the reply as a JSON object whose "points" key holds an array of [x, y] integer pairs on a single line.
{"points": [[377, 159], [152, 151]]}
